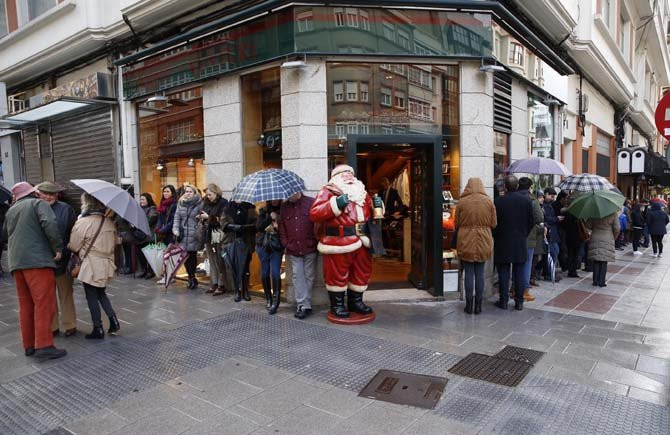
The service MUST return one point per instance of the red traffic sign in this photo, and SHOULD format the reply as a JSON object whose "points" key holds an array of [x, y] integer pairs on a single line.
{"points": [[662, 116]]}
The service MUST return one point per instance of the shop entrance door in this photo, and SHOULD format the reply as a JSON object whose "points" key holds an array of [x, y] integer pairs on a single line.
{"points": [[375, 157]]}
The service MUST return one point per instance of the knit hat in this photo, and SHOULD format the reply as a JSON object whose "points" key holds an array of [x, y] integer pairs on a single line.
{"points": [[22, 189], [341, 168]]}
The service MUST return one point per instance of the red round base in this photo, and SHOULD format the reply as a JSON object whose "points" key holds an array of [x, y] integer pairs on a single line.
{"points": [[353, 319]]}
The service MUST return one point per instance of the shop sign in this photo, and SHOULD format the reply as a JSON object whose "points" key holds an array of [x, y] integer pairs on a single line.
{"points": [[662, 116], [97, 85]]}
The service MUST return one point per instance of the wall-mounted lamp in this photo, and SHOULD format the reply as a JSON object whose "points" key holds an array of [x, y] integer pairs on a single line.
{"points": [[191, 162], [157, 98], [294, 64], [491, 68], [159, 166]]}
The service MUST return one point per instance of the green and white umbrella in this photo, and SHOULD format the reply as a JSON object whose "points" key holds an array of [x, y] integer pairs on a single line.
{"points": [[596, 204]]}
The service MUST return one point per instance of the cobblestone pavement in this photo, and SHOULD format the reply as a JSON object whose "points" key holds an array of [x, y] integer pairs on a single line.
{"points": [[186, 362]]}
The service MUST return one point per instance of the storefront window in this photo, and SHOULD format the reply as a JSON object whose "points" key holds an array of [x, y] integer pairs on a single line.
{"points": [[261, 120], [171, 145], [541, 127], [500, 160], [603, 153]]}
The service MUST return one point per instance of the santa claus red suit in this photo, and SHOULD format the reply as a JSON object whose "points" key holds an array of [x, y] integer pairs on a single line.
{"points": [[343, 208]]}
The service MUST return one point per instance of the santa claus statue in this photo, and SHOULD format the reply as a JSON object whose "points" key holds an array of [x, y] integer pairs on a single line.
{"points": [[343, 209]]}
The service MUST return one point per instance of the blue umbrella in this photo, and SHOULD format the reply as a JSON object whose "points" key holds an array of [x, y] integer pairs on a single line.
{"points": [[268, 185]]}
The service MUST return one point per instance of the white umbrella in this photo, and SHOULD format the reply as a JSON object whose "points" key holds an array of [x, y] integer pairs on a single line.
{"points": [[117, 199]]}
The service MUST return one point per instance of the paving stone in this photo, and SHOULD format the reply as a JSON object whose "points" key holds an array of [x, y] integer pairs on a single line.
{"points": [[305, 420], [643, 349], [650, 364], [609, 372], [374, 420], [337, 401], [623, 359], [649, 396], [530, 341], [580, 379], [568, 362], [101, 422], [613, 334], [430, 424], [224, 423], [280, 399], [592, 340], [228, 392], [160, 422], [263, 377]]}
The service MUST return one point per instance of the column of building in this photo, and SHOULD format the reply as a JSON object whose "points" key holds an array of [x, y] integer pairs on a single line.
{"points": [[223, 132]]}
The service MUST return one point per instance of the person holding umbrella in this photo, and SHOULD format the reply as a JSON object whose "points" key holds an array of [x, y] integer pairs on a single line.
{"points": [[94, 238], [270, 252], [184, 229], [657, 220], [600, 209]]}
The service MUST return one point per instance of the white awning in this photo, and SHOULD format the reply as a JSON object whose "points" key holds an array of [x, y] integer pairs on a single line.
{"points": [[51, 109]]}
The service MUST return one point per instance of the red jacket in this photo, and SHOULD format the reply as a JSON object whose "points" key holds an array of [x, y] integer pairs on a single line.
{"points": [[296, 230], [326, 212]]}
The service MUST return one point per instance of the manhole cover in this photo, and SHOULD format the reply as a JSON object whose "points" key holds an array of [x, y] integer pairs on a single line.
{"points": [[403, 388], [520, 354], [491, 369]]}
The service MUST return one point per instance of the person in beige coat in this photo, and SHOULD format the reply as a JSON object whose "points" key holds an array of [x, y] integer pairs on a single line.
{"points": [[601, 245], [97, 266], [475, 218]]}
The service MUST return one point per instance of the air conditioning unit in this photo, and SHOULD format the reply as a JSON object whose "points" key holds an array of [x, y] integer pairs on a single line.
{"points": [[584, 100], [17, 103]]}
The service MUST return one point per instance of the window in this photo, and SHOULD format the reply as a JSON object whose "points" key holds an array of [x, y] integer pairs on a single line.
{"points": [[516, 53], [352, 17], [386, 97], [389, 31], [403, 38], [387, 129], [421, 77], [352, 91], [352, 128], [460, 35], [305, 21], [603, 144], [338, 91], [29, 10], [399, 99], [340, 19], [363, 19], [364, 91], [340, 129], [421, 110], [4, 29], [605, 8], [364, 128], [624, 32], [181, 131]]}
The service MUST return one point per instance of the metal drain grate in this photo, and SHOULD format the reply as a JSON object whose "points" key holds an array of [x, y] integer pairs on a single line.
{"points": [[520, 354], [403, 388], [491, 369]]}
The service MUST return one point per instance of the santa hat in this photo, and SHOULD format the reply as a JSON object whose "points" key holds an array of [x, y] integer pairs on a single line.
{"points": [[340, 169]]}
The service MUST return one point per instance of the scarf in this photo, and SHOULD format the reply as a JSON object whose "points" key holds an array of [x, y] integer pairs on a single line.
{"points": [[165, 205]]}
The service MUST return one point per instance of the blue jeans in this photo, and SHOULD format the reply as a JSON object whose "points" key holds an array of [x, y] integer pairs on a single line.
{"points": [[527, 268], [474, 278], [270, 262], [503, 280]]}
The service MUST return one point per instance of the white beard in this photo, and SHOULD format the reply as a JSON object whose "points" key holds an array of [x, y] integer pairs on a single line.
{"points": [[355, 191]]}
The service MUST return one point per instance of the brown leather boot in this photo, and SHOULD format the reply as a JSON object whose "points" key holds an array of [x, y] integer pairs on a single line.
{"points": [[527, 296]]}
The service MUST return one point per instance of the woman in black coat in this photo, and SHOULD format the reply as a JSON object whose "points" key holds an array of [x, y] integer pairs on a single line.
{"points": [[637, 222], [657, 220], [270, 252], [149, 206], [212, 210], [239, 223]]}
